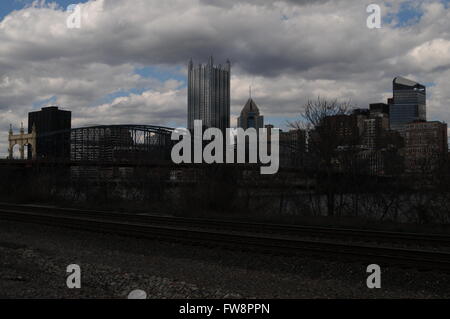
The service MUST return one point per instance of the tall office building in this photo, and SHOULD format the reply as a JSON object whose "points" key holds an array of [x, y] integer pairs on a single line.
{"points": [[53, 132], [250, 116], [375, 127], [408, 104], [209, 94]]}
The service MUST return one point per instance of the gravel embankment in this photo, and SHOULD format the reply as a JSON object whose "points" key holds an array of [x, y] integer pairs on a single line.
{"points": [[33, 261]]}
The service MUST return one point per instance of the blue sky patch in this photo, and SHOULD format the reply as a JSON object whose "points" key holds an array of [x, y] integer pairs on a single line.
{"points": [[43, 103], [409, 14], [161, 73], [7, 6]]}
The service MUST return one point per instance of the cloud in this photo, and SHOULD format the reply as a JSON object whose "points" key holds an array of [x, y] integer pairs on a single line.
{"points": [[150, 107], [288, 50], [431, 55]]}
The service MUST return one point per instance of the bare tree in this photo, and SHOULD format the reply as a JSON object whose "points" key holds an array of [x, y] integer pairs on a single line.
{"points": [[321, 119]]}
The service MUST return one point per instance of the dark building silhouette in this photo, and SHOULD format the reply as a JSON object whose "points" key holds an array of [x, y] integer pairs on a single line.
{"points": [[250, 116], [53, 132], [345, 128], [379, 108], [408, 104], [209, 95], [292, 148], [366, 133], [426, 146]]}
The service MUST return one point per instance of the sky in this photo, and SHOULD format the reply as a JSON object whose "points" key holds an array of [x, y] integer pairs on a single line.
{"points": [[127, 62]]}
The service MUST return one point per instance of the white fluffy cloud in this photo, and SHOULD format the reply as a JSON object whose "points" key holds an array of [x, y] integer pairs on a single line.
{"points": [[289, 51]]}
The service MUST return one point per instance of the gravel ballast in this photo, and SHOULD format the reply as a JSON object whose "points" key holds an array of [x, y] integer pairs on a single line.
{"points": [[33, 261]]}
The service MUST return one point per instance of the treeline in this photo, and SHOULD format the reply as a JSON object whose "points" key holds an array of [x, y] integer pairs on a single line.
{"points": [[236, 192]]}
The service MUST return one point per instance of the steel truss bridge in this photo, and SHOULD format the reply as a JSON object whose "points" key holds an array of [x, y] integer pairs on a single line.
{"points": [[107, 143]]}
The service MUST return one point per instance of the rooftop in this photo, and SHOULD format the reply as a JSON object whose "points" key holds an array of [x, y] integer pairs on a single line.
{"points": [[404, 81], [250, 106]]}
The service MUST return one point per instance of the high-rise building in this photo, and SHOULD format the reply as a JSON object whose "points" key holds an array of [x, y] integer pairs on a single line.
{"points": [[379, 108], [374, 128], [209, 94], [408, 104], [250, 116], [53, 132], [426, 146]]}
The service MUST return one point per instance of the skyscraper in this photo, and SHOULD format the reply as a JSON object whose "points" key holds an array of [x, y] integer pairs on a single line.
{"points": [[375, 128], [48, 122], [250, 116], [209, 94], [408, 104]]}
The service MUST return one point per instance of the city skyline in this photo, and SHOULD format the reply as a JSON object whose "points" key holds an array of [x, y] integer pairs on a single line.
{"points": [[146, 82], [203, 88]]}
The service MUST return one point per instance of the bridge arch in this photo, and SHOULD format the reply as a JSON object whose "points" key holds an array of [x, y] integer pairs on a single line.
{"points": [[22, 140]]}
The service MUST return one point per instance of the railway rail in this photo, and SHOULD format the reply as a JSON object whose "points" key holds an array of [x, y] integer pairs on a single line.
{"points": [[439, 240], [207, 232]]}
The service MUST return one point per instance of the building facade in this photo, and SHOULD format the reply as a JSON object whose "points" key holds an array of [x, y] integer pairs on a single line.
{"points": [[344, 130], [426, 146], [48, 122], [408, 104], [209, 94], [374, 128]]}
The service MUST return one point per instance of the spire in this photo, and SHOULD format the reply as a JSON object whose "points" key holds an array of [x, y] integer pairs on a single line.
{"points": [[250, 91], [228, 63], [22, 130], [10, 129]]}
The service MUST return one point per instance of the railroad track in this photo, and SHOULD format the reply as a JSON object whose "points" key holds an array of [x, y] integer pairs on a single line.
{"points": [[272, 243], [345, 234]]}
